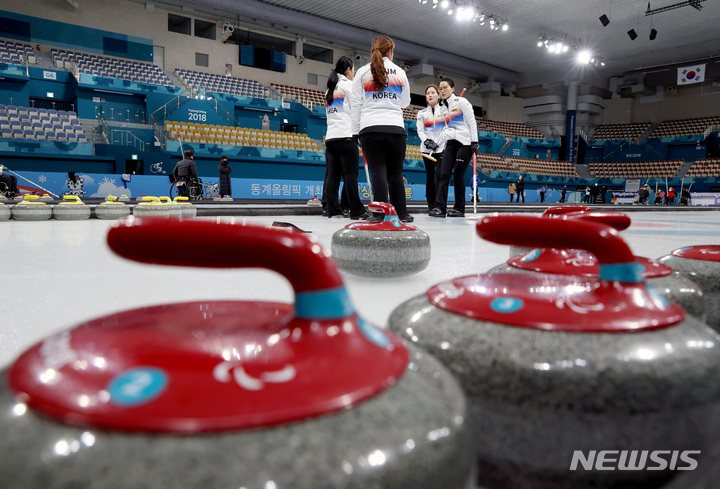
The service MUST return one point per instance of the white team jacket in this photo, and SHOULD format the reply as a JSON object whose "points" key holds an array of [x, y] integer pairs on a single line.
{"points": [[370, 106], [338, 112], [461, 124], [431, 122]]}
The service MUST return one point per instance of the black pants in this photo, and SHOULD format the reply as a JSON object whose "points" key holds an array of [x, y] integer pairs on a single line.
{"points": [[342, 159], [182, 186], [521, 193], [456, 158], [385, 154], [431, 178], [542, 196]]}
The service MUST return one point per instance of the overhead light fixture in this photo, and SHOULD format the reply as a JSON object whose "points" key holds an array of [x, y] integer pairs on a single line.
{"points": [[444, 4], [604, 19], [584, 57]]}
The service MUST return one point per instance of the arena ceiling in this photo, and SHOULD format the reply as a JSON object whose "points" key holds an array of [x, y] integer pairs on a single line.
{"points": [[685, 34]]}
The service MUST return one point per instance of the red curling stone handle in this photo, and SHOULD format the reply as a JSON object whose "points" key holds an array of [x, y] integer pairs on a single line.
{"points": [[559, 210], [198, 243], [616, 220], [614, 256], [384, 207]]}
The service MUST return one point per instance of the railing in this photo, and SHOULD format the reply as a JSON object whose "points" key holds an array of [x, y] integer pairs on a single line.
{"points": [[164, 109], [103, 127], [127, 138], [711, 129]]}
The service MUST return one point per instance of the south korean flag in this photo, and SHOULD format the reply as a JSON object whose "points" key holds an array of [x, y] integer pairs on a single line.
{"points": [[691, 74]]}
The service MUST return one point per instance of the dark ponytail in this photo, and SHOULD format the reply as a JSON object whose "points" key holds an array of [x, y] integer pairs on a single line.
{"points": [[340, 68], [381, 45]]}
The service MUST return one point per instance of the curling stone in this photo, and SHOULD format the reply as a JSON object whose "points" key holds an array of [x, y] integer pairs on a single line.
{"points": [[71, 209], [111, 209], [550, 212], [662, 278], [314, 202], [46, 197], [151, 207], [701, 264], [174, 209], [559, 368], [218, 198], [381, 249], [188, 209], [31, 209], [5, 212], [228, 394], [124, 198]]}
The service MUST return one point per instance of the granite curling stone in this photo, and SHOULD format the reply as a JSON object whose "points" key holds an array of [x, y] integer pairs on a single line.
{"points": [[187, 208], [550, 212], [228, 394], [388, 248], [124, 198], [701, 264], [5, 212], [174, 210], [662, 278], [71, 209], [111, 209], [151, 207], [559, 368], [31, 209]]}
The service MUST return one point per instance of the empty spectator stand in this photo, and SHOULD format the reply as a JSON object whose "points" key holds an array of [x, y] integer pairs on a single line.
{"points": [[509, 129], [40, 124], [410, 112], [684, 127], [490, 162], [543, 167], [196, 81], [16, 53], [635, 169], [305, 96], [704, 167], [110, 67], [238, 136], [621, 131]]}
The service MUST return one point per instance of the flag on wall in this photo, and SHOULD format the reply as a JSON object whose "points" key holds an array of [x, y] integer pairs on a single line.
{"points": [[691, 74]]}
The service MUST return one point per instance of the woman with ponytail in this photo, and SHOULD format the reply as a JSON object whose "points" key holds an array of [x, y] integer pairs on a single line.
{"points": [[341, 152], [380, 91]]}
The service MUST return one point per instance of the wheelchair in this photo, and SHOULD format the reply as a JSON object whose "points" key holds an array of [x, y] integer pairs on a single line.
{"points": [[5, 190], [195, 190]]}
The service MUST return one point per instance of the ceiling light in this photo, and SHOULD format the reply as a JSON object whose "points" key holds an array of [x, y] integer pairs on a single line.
{"points": [[444, 4], [505, 26], [584, 57]]}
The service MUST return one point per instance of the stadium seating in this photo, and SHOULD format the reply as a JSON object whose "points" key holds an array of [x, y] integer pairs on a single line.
{"points": [[635, 169], [509, 129], [620, 131], [543, 167], [15, 53], [210, 82], [685, 127], [305, 96], [238, 136], [120, 68], [43, 124], [705, 167]]}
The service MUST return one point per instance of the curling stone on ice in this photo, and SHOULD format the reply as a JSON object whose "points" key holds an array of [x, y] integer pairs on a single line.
{"points": [[188, 209], [228, 394], [701, 264], [71, 209], [556, 365], [31, 209], [46, 197], [314, 202], [5, 212], [174, 209], [124, 198], [550, 212], [111, 209], [151, 207], [388, 248], [662, 278]]}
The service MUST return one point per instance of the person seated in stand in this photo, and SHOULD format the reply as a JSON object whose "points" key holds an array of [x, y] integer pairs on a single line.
{"points": [[185, 171]]}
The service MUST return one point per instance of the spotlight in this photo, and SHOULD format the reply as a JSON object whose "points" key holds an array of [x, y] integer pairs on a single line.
{"points": [[505, 26], [653, 34], [584, 57], [632, 34], [227, 31], [604, 19], [444, 4], [540, 43]]}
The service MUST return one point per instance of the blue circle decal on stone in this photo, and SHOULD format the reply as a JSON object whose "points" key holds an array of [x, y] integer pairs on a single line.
{"points": [[533, 255], [506, 304], [397, 224], [137, 386], [373, 334]]}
